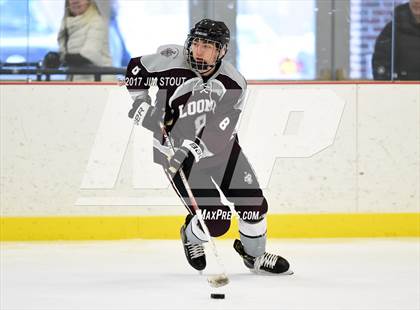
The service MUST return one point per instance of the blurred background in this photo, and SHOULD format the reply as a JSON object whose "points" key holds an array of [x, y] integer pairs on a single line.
{"points": [[271, 40]]}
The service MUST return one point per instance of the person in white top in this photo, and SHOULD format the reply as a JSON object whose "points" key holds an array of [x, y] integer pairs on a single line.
{"points": [[83, 37]]}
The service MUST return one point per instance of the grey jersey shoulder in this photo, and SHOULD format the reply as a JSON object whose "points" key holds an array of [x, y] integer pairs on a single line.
{"points": [[167, 57], [229, 70]]}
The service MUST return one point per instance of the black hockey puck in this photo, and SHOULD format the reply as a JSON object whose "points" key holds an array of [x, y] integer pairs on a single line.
{"points": [[217, 296]]}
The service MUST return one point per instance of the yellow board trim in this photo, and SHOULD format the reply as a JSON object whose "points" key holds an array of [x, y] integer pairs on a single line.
{"points": [[167, 227]]}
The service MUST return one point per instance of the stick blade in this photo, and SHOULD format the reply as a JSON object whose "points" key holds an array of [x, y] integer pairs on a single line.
{"points": [[218, 280]]}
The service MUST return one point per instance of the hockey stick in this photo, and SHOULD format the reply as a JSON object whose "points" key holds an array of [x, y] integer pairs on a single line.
{"points": [[220, 279]]}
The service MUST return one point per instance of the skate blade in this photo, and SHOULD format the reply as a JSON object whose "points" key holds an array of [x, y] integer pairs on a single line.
{"points": [[266, 273], [218, 280]]}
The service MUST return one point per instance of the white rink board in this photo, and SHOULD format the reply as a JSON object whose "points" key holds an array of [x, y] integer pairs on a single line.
{"points": [[70, 150], [389, 147]]}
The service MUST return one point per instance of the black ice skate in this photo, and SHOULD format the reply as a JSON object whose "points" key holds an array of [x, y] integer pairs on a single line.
{"points": [[194, 252], [264, 264]]}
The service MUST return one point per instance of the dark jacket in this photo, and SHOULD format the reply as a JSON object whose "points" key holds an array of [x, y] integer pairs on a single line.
{"points": [[407, 48]]}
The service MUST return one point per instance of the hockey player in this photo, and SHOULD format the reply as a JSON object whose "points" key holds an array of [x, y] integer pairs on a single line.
{"points": [[199, 99]]}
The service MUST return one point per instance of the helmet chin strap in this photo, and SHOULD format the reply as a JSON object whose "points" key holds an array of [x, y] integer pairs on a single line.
{"points": [[206, 67]]}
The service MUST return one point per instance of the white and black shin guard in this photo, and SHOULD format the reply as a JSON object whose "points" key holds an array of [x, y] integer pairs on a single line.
{"points": [[253, 236], [194, 233]]}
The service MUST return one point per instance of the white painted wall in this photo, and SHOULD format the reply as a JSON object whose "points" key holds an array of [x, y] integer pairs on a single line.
{"points": [[71, 150]]}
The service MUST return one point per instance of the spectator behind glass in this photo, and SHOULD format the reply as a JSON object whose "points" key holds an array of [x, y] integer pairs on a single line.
{"points": [[407, 45], [83, 37]]}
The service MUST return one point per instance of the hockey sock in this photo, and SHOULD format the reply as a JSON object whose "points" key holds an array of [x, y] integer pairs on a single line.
{"points": [[253, 236], [194, 233]]}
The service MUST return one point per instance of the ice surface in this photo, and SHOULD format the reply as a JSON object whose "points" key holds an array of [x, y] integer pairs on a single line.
{"points": [[138, 274]]}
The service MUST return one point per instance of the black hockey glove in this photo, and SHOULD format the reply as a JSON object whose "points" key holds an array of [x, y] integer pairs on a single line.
{"points": [[139, 109], [181, 154]]}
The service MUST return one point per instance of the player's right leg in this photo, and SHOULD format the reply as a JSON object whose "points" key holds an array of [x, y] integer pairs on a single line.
{"points": [[192, 236], [208, 199]]}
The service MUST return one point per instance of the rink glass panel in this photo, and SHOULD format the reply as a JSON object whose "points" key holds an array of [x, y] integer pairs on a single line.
{"points": [[271, 40]]}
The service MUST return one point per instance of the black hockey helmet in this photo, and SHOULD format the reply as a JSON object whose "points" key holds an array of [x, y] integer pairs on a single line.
{"points": [[212, 31]]}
